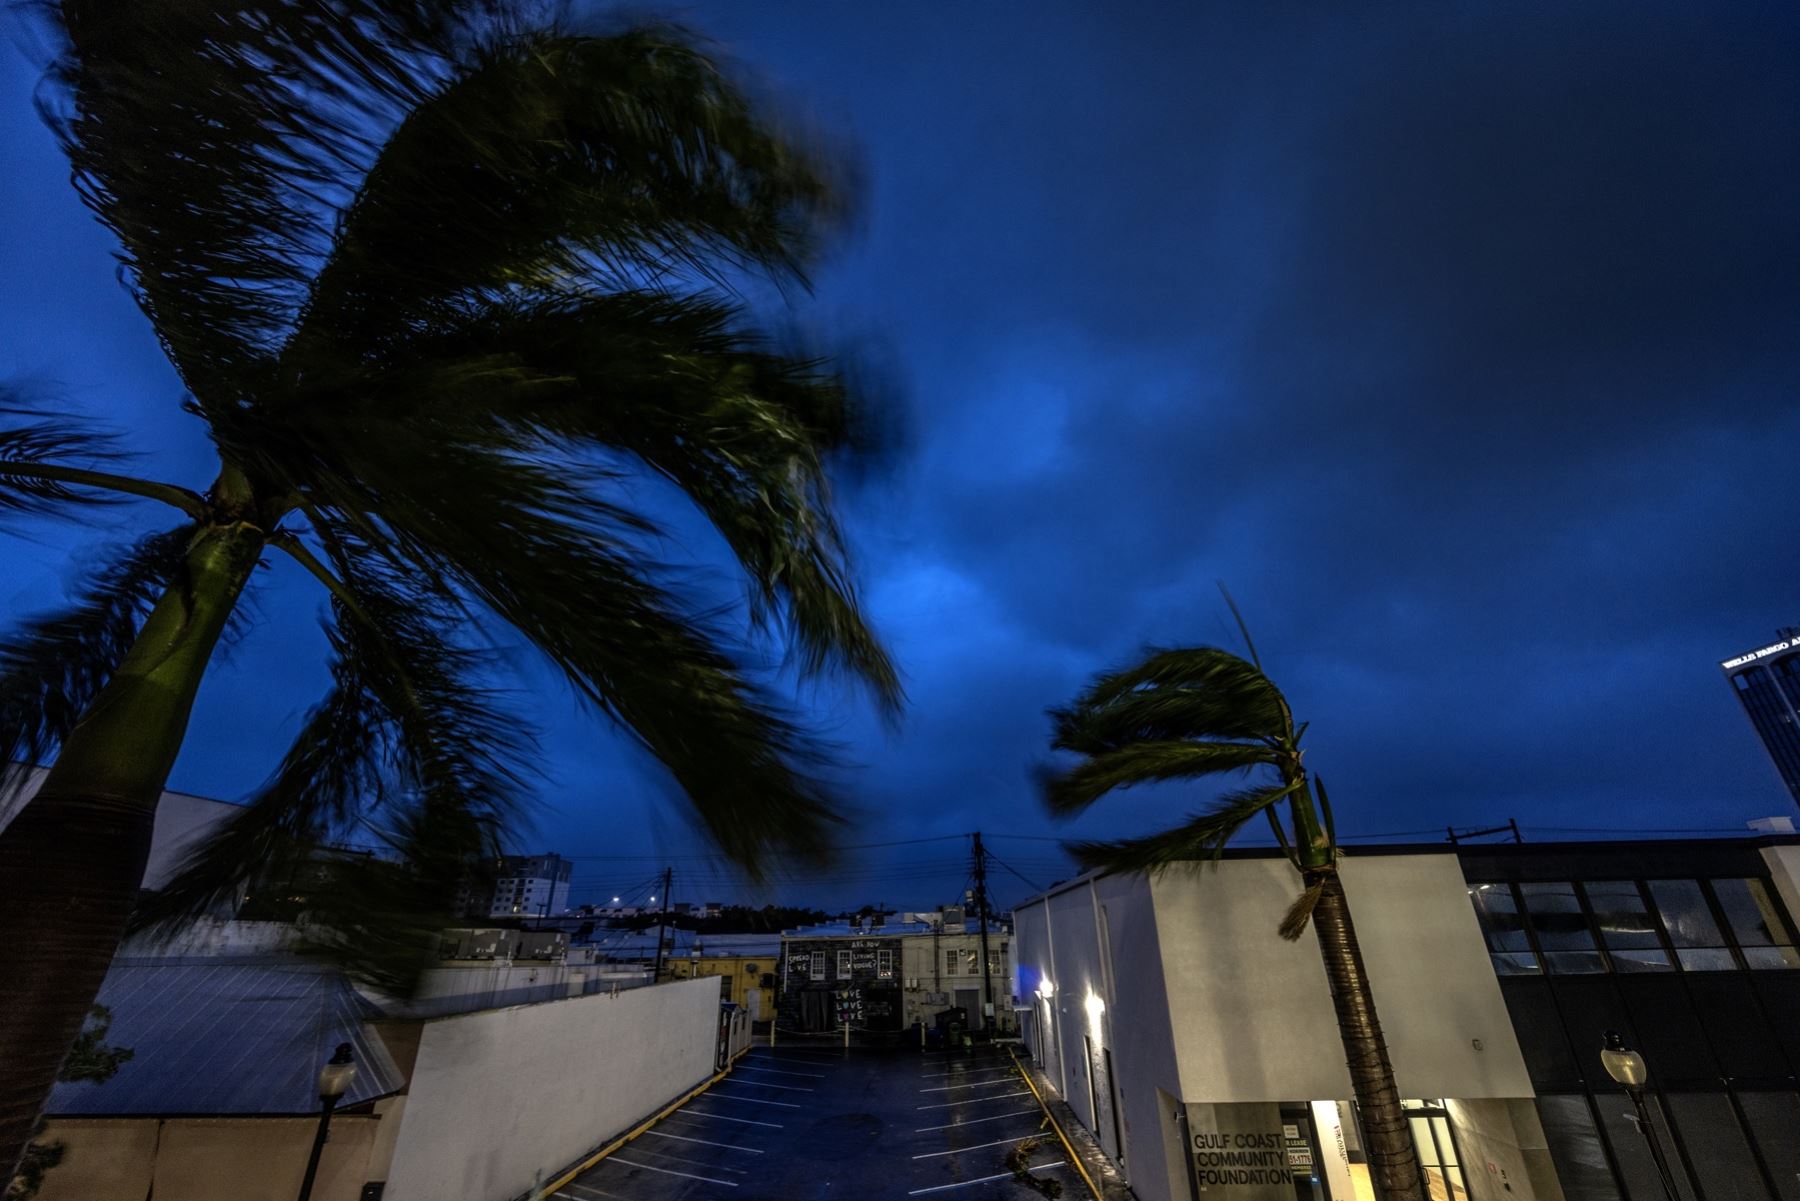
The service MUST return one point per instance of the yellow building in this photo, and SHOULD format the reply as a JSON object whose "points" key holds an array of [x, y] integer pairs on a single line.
{"points": [[746, 980]]}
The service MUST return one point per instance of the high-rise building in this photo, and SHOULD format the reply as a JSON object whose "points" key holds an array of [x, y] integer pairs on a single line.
{"points": [[1767, 681], [524, 886]]}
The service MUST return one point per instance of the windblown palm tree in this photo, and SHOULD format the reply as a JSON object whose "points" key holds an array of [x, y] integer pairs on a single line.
{"points": [[1193, 713], [439, 279]]}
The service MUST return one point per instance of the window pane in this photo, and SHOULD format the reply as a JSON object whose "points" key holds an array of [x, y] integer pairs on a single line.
{"points": [[1515, 964], [1751, 912], [1501, 923], [1633, 1153], [1773, 1118], [1685, 915], [1427, 1149], [1635, 960], [1766, 957], [1575, 1149], [1574, 963], [1557, 917], [1710, 959], [1620, 913], [1715, 1145]]}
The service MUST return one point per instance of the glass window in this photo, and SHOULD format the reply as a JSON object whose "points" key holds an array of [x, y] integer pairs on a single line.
{"points": [[843, 965], [1756, 922], [950, 958], [1625, 926], [1690, 925], [884, 965], [1562, 928], [818, 965], [1504, 928], [1715, 1146], [1576, 1150], [993, 961], [1633, 1153], [1773, 1118]]}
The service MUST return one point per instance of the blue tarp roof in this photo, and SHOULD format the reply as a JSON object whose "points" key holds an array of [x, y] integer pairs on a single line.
{"points": [[216, 1037]]}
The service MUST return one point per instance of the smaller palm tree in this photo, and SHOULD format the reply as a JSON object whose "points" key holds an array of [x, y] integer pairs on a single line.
{"points": [[1196, 712]]}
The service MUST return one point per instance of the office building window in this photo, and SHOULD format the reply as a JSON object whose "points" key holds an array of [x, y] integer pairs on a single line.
{"points": [[950, 958], [1688, 920], [1626, 926], [1562, 928], [1504, 928], [1756, 923]]}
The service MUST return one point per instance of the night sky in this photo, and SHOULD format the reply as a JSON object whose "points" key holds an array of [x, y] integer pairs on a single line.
{"points": [[1462, 344]]}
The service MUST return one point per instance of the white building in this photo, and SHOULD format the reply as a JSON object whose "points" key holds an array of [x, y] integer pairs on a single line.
{"points": [[1202, 1051], [524, 886]]}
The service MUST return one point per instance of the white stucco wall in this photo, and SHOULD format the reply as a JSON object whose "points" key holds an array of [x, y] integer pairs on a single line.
{"points": [[181, 819], [501, 1100], [1252, 1013]]}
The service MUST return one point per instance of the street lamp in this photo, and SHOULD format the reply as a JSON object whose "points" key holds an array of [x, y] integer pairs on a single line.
{"points": [[1627, 1067], [334, 1082]]}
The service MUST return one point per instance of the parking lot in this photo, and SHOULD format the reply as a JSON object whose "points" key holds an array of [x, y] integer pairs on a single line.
{"points": [[812, 1122]]}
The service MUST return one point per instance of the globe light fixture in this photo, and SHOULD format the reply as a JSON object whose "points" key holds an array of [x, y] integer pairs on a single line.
{"points": [[1628, 1068]]}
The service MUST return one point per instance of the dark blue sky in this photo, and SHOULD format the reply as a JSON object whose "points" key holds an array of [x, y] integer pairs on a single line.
{"points": [[1462, 344]]}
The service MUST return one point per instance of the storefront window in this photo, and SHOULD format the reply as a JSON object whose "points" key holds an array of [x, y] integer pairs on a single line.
{"points": [[1626, 927], [1756, 922], [1690, 925], [1504, 928], [1562, 928]]}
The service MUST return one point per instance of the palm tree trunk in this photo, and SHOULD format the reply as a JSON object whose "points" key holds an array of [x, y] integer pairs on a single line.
{"points": [[72, 861], [1391, 1152]]}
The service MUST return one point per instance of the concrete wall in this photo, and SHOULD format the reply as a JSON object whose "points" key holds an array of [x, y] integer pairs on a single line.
{"points": [[206, 1159], [500, 1101], [1504, 1152], [1254, 1019]]}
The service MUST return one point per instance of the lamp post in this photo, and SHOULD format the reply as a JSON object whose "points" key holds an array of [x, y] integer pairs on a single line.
{"points": [[1629, 1069], [334, 1082]]}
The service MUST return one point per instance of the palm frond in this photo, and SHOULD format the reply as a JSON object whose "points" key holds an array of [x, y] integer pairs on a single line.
{"points": [[551, 158], [1070, 790], [52, 666], [217, 142], [1195, 693], [674, 382], [1202, 836], [32, 440], [1294, 921]]}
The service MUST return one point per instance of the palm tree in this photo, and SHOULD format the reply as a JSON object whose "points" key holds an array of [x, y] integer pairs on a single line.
{"points": [[1191, 713], [446, 285]]}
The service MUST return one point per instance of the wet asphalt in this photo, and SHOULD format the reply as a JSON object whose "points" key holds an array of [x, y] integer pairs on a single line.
{"points": [[814, 1123]]}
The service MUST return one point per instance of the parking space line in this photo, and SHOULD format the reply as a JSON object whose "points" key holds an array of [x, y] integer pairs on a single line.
{"points": [[974, 1121], [970, 1101], [669, 1171], [692, 1163], [791, 1088], [759, 1100], [940, 1188], [701, 1113], [964, 1072], [779, 1072], [944, 1088], [999, 1142], [682, 1138], [587, 1189]]}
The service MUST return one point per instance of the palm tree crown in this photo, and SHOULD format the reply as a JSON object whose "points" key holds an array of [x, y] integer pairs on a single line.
{"points": [[436, 277]]}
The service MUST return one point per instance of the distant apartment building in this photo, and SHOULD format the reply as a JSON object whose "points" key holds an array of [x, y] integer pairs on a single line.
{"points": [[889, 974], [1767, 682], [524, 886]]}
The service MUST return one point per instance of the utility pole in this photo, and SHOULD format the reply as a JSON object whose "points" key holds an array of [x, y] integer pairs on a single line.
{"points": [[981, 904], [661, 929]]}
